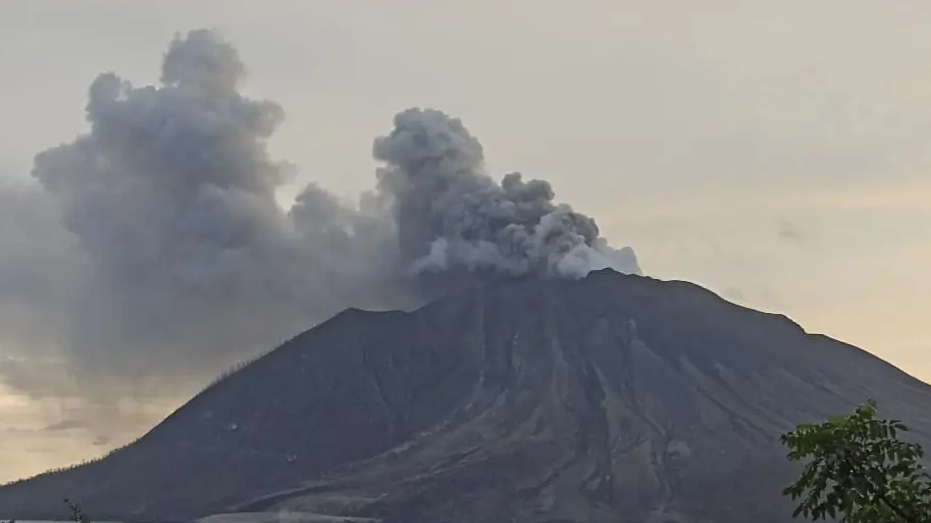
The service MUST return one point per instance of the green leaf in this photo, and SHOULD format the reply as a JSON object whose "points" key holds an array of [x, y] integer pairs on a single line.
{"points": [[857, 469]]}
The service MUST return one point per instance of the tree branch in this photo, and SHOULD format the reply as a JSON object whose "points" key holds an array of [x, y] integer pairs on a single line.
{"points": [[898, 511]]}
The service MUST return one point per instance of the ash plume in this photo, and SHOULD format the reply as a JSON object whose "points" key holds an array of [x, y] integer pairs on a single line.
{"points": [[152, 252], [451, 216]]}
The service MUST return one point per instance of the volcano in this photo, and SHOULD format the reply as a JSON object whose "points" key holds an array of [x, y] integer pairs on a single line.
{"points": [[610, 398]]}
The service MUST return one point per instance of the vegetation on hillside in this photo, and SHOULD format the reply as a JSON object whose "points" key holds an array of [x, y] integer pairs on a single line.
{"points": [[231, 371], [859, 471], [77, 514]]}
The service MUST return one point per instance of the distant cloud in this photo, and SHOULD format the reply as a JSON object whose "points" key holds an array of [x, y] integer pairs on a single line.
{"points": [[788, 231], [68, 424]]}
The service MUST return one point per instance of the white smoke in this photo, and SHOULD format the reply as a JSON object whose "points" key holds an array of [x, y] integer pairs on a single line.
{"points": [[153, 246]]}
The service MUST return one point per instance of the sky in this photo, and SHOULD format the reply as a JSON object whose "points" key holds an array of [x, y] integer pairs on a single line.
{"points": [[776, 152]]}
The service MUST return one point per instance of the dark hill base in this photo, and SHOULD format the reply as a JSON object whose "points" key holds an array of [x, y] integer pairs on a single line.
{"points": [[614, 398]]}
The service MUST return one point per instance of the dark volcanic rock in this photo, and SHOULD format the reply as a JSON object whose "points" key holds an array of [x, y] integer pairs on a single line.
{"points": [[614, 398]]}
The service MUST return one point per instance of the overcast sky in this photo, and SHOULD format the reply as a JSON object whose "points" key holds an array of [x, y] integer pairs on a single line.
{"points": [[778, 154]]}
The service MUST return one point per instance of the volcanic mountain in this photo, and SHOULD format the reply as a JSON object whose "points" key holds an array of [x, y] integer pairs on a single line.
{"points": [[613, 398]]}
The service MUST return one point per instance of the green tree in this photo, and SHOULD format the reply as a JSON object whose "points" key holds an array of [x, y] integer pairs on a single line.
{"points": [[858, 471]]}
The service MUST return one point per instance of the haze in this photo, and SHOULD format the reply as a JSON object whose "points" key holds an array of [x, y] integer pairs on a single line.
{"points": [[778, 155]]}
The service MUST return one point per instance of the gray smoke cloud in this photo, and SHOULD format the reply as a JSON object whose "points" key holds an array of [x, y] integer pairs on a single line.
{"points": [[451, 216], [152, 251]]}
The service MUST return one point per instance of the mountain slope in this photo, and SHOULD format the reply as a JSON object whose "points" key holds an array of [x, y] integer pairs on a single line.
{"points": [[612, 398]]}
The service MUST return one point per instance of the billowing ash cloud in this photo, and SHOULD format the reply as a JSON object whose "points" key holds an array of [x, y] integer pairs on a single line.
{"points": [[453, 216], [153, 251], [154, 245]]}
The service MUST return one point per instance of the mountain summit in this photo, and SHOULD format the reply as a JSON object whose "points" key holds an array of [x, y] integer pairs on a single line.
{"points": [[610, 398]]}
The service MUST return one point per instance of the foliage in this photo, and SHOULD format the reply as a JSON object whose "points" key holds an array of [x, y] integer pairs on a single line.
{"points": [[859, 471], [77, 513]]}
